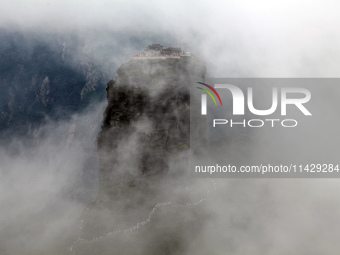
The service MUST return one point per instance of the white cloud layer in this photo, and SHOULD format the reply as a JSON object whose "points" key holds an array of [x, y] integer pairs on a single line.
{"points": [[236, 39]]}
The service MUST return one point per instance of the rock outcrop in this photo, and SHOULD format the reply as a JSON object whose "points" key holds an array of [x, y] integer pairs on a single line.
{"points": [[143, 155], [148, 107]]}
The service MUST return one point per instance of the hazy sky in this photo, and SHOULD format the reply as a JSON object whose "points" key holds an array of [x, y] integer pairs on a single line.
{"points": [[236, 38]]}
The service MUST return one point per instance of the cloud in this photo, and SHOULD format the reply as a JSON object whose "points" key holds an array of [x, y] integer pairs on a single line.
{"points": [[43, 189], [236, 39]]}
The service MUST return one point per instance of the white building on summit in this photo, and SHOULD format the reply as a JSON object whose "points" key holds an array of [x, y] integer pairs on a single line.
{"points": [[155, 51]]}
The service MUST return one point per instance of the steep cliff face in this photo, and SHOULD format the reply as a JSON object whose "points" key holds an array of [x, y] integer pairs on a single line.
{"points": [[41, 79], [143, 156], [149, 112]]}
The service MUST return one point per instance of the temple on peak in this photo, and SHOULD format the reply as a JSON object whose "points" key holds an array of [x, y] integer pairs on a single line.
{"points": [[158, 51]]}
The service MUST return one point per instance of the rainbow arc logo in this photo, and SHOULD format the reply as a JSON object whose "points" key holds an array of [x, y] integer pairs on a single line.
{"points": [[209, 93], [204, 97]]}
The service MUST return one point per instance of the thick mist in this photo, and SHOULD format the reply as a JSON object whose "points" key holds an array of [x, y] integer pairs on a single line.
{"points": [[44, 190], [236, 38]]}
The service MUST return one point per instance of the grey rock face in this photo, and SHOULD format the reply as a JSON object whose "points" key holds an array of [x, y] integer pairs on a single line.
{"points": [[143, 160], [148, 107]]}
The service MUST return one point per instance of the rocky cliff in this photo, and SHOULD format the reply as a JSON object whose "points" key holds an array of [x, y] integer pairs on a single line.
{"points": [[149, 112], [143, 154], [41, 79]]}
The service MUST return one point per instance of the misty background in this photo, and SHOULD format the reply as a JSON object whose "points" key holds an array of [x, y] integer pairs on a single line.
{"points": [[48, 160]]}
